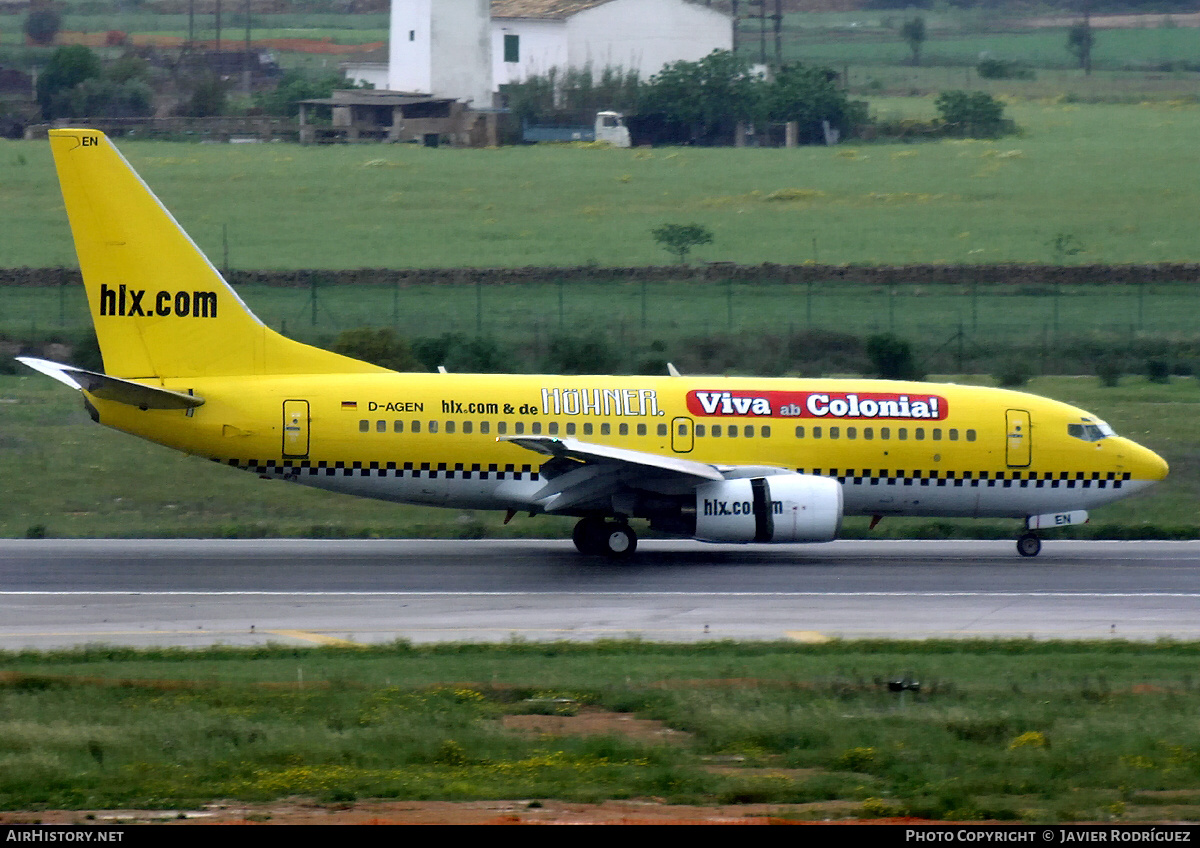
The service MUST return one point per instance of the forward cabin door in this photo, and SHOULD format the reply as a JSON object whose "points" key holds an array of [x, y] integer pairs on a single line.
{"points": [[295, 429], [1018, 448]]}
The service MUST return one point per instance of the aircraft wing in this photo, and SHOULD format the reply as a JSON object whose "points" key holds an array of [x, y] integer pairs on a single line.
{"points": [[580, 475], [112, 388]]}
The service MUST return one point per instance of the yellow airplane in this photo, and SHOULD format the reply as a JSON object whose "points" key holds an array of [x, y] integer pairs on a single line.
{"points": [[719, 459]]}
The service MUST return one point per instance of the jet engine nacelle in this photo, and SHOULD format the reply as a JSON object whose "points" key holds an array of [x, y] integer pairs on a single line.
{"points": [[779, 508]]}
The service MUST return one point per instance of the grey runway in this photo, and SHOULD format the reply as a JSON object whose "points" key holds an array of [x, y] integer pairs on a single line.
{"points": [[57, 593]]}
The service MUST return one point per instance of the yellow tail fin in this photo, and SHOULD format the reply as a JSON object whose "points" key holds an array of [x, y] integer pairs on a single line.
{"points": [[159, 306]]}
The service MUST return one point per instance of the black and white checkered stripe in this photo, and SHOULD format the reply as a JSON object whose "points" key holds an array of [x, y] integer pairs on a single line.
{"points": [[422, 470]]}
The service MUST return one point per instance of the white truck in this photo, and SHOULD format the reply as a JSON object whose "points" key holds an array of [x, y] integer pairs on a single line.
{"points": [[609, 127]]}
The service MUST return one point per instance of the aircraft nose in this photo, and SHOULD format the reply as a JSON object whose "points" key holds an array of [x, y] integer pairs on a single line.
{"points": [[1149, 466]]}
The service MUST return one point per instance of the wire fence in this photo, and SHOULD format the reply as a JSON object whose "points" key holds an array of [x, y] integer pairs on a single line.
{"points": [[956, 325]]}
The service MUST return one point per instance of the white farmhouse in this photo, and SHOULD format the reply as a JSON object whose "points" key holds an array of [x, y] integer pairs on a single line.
{"points": [[466, 49], [442, 48], [529, 37]]}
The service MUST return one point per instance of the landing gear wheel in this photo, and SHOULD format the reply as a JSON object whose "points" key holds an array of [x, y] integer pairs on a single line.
{"points": [[619, 540], [588, 536], [1029, 545]]}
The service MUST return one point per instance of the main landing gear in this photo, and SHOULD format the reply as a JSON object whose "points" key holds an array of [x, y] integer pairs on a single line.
{"points": [[1029, 545], [598, 537]]}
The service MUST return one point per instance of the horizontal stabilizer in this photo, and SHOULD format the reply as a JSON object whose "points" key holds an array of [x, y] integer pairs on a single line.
{"points": [[110, 388]]}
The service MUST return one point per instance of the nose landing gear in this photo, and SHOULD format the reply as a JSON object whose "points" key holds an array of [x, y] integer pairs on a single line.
{"points": [[1029, 545]]}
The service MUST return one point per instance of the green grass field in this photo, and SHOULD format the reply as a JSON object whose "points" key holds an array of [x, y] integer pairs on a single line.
{"points": [[67, 477], [1105, 175], [1008, 730]]}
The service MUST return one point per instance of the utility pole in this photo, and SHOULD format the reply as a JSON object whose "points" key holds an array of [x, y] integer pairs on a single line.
{"points": [[778, 32]]}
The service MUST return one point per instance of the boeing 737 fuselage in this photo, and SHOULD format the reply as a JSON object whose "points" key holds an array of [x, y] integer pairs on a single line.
{"points": [[718, 459]]}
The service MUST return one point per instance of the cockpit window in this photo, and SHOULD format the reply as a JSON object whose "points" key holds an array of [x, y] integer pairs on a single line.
{"points": [[1092, 430]]}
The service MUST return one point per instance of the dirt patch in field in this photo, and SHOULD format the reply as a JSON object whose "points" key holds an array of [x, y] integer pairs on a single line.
{"points": [[591, 722], [647, 811]]}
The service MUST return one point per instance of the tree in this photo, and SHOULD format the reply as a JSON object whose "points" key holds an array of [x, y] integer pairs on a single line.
{"points": [[75, 85], [913, 32], [808, 94], [679, 239], [67, 68], [709, 96], [297, 85], [42, 25], [208, 99], [1080, 41]]}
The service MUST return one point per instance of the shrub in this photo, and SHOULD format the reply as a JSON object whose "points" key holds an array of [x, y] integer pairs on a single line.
{"points": [[1158, 371], [892, 358], [379, 347], [972, 114], [1012, 374], [581, 355], [1003, 69], [1108, 369], [463, 354]]}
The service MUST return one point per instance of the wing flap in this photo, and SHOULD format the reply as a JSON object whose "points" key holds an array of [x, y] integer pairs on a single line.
{"points": [[581, 475], [593, 453]]}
